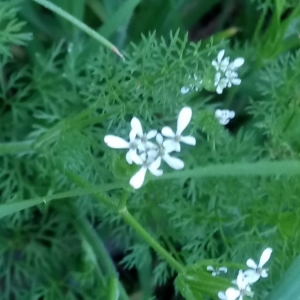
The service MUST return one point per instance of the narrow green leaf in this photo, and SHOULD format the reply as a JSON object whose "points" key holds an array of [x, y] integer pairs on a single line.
{"points": [[288, 288], [120, 18], [60, 12], [262, 168], [14, 207]]}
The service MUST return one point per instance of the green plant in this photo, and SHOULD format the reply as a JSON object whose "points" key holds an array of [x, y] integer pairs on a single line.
{"points": [[237, 195]]}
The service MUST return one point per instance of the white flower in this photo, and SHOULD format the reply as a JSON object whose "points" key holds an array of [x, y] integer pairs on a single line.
{"points": [[243, 289], [183, 120], [220, 83], [216, 271], [226, 75], [163, 151], [224, 115], [147, 163], [116, 142], [220, 63], [137, 128], [232, 78], [257, 270]]}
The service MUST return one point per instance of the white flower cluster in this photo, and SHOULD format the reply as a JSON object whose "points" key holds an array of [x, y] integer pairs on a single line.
{"points": [[224, 115], [247, 278], [192, 86], [148, 154], [216, 271], [226, 75]]}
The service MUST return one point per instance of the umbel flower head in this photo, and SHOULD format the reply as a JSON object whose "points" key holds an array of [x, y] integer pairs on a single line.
{"points": [[246, 279], [194, 84], [216, 271], [226, 71], [148, 154], [224, 115]]}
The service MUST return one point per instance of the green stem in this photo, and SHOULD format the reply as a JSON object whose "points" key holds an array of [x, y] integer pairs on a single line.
{"points": [[49, 5], [15, 147], [130, 220]]}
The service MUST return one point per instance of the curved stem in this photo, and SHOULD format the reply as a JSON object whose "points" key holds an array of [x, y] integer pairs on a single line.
{"points": [[49, 5], [130, 220]]}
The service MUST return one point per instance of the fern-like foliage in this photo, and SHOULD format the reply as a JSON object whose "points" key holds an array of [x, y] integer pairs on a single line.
{"points": [[11, 29], [65, 108]]}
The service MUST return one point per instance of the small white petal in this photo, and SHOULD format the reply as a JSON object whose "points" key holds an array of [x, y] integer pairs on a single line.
{"points": [[222, 296], [223, 114], [168, 132], [210, 268], [152, 154], [251, 263], [232, 294], [137, 126], [155, 164], [132, 135], [217, 78], [215, 64], [135, 157], [224, 121], [184, 119], [223, 269], [128, 157], [190, 140], [235, 81], [170, 146], [184, 90], [115, 142], [251, 276], [265, 257], [173, 162], [150, 145], [138, 178], [220, 89], [156, 172], [214, 273], [218, 113], [231, 114], [241, 280], [224, 64], [220, 55], [151, 134], [264, 273], [159, 139], [238, 62]]}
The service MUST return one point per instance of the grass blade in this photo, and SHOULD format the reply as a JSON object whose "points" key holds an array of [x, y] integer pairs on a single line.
{"points": [[11, 208], [288, 288], [120, 18], [80, 25]]}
